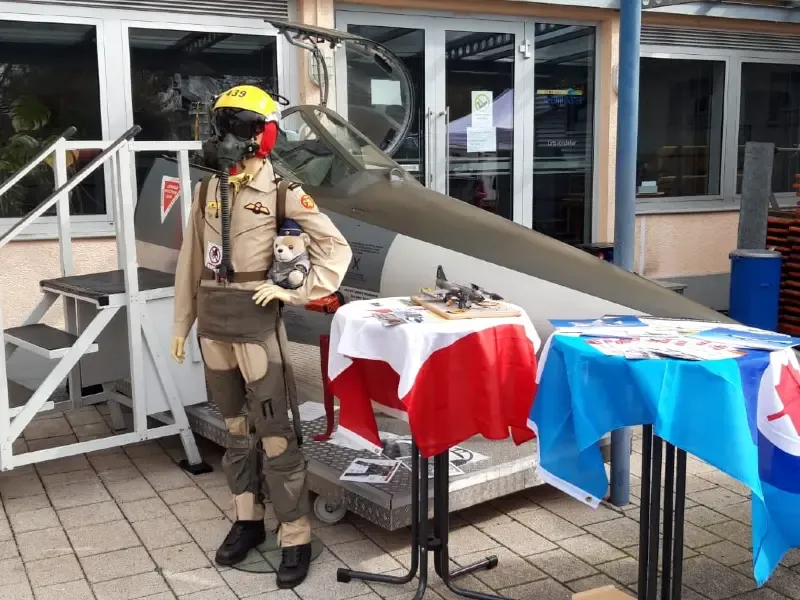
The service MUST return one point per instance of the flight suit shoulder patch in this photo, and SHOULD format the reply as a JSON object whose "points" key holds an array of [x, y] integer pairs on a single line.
{"points": [[257, 208], [307, 202]]}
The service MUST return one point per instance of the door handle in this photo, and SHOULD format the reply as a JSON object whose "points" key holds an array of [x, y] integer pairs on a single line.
{"points": [[430, 135], [446, 115]]}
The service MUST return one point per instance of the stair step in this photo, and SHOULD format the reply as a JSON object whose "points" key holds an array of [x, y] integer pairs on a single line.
{"points": [[43, 340], [18, 397]]}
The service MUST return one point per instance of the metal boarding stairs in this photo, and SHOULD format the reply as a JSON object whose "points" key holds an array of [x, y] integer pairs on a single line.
{"points": [[18, 404]]}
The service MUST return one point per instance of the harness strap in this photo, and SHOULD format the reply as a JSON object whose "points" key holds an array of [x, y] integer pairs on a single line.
{"points": [[237, 277], [204, 183]]}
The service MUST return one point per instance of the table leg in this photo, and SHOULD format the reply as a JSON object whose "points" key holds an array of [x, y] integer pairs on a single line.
{"points": [[644, 510], [422, 541], [655, 517], [680, 510], [650, 515], [419, 536], [441, 520]]}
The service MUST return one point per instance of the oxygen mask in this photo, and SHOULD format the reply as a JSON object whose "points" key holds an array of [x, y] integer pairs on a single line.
{"points": [[233, 149]]}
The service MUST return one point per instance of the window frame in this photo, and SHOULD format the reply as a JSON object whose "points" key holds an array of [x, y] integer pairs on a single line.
{"points": [[784, 199], [424, 19], [113, 57], [728, 200], [101, 224], [189, 26], [669, 53]]}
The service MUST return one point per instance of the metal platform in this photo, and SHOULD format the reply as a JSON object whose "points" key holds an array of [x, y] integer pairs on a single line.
{"points": [[505, 469], [108, 289]]}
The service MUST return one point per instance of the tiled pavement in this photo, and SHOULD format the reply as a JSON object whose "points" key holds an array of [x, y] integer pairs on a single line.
{"points": [[130, 524]]}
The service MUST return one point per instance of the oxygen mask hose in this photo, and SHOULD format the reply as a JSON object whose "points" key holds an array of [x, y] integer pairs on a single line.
{"points": [[225, 269], [231, 150]]}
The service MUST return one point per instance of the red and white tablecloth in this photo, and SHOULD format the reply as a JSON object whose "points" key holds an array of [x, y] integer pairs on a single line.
{"points": [[450, 379]]}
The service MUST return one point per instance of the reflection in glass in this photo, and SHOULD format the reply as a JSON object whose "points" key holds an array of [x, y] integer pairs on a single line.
{"points": [[48, 81], [480, 119], [680, 127], [770, 112], [564, 131], [376, 97], [175, 76]]}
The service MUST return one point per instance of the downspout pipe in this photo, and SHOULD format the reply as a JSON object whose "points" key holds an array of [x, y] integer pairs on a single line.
{"points": [[630, 28]]}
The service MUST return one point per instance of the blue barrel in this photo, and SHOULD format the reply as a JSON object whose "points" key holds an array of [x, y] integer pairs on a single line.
{"points": [[755, 288]]}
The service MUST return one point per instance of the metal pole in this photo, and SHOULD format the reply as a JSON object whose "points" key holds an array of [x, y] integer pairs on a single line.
{"points": [[630, 26]]}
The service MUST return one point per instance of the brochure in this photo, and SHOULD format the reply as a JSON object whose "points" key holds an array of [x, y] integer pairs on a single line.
{"points": [[607, 321], [370, 470], [683, 348], [752, 339]]}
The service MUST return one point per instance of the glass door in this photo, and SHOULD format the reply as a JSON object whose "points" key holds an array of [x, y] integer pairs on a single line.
{"points": [[466, 137], [409, 45], [563, 125], [476, 149]]}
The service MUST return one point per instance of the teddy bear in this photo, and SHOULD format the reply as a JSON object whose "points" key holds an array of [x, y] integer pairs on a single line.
{"points": [[290, 264]]}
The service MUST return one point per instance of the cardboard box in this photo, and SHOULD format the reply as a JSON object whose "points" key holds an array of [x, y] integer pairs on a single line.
{"points": [[608, 592]]}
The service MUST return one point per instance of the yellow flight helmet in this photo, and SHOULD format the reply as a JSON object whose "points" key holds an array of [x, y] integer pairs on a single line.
{"points": [[250, 98]]}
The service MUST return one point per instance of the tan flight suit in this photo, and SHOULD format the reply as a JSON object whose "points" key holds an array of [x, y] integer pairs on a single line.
{"points": [[241, 341]]}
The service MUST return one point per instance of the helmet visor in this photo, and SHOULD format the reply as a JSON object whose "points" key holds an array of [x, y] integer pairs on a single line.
{"points": [[244, 124]]}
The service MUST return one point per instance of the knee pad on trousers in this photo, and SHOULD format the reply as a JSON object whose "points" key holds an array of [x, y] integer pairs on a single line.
{"points": [[268, 406], [285, 475], [227, 391], [242, 462]]}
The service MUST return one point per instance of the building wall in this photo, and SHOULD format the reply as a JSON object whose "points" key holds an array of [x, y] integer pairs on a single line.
{"points": [[25, 264], [693, 247], [689, 247]]}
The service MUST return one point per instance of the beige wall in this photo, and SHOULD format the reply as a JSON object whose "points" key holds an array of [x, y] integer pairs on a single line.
{"points": [[685, 244], [24, 264]]}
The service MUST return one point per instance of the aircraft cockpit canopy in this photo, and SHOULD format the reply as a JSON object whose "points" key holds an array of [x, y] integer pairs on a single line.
{"points": [[377, 92], [317, 148]]}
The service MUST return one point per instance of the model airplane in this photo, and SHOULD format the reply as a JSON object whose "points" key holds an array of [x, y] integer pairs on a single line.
{"points": [[401, 231], [463, 296]]}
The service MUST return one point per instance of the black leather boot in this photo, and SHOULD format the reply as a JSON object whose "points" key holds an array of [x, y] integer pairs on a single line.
{"points": [[243, 537], [295, 561]]}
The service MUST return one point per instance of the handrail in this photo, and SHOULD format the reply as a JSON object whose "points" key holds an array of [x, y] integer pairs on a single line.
{"points": [[36, 160], [51, 200]]}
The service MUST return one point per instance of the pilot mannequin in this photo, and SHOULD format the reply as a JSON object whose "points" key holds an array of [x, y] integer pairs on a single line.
{"points": [[221, 280]]}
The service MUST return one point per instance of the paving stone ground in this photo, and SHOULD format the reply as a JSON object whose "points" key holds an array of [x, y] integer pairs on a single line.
{"points": [[129, 524]]}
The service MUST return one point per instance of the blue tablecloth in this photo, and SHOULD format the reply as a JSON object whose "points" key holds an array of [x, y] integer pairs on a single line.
{"points": [[741, 415]]}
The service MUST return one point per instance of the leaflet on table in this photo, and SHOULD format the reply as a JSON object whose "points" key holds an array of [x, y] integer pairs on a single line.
{"points": [[452, 470], [370, 470], [603, 322], [612, 326], [749, 338], [664, 347], [397, 312]]}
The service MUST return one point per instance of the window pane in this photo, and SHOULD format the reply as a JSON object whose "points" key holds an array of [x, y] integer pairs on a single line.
{"points": [[770, 112], [409, 46], [479, 69], [176, 75], [563, 131], [48, 81], [680, 127]]}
